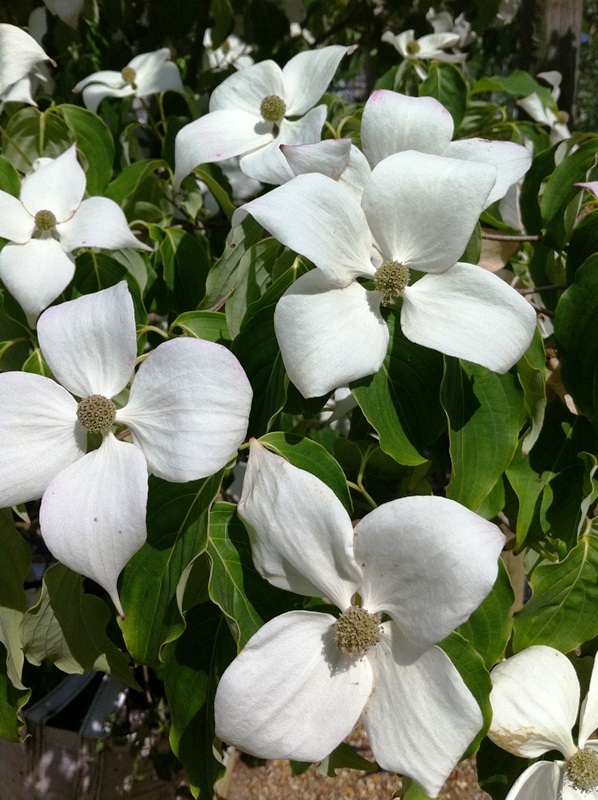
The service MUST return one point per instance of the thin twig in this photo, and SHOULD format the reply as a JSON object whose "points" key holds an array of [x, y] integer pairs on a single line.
{"points": [[507, 237], [553, 287], [544, 311]]}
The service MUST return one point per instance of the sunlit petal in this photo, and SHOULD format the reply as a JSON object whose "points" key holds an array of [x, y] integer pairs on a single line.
{"points": [[57, 185], [16, 224], [307, 76], [98, 222], [245, 90]]}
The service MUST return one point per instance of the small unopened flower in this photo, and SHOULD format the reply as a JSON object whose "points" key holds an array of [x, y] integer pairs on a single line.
{"points": [[187, 413], [305, 678], [535, 704], [48, 221], [432, 46], [256, 110], [21, 60], [146, 74]]}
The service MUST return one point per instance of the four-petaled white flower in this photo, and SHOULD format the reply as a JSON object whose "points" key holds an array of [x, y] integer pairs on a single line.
{"points": [[148, 73], [20, 60], [48, 221], [535, 704], [430, 47], [250, 116], [187, 413], [232, 52], [305, 678], [392, 123], [419, 210]]}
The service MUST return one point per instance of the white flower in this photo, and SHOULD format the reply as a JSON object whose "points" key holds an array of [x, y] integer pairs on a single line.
{"points": [[232, 52], [535, 703], [419, 210], [48, 222], [392, 123], [541, 111], [250, 116], [148, 73], [305, 678], [20, 60], [432, 46], [187, 412], [443, 22], [66, 10]]}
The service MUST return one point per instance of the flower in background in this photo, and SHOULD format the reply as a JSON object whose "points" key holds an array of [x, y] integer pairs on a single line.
{"points": [[328, 323], [305, 678], [48, 221], [443, 22], [146, 74], [21, 65], [433, 46], [250, 116], [66, 10], [535, 704], [232, 52], [542, 110], [187, 413]]}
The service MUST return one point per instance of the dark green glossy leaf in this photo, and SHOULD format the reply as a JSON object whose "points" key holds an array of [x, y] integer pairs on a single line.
{"points": [[131, 177], [94, 145], [531, 369], [209, 325], [9, 178], [14, 566], [31, 133], [583, 244], [186, 264], [11, 701]]}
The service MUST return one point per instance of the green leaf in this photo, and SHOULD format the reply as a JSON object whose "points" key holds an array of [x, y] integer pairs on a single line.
{"points": [[15, 335], [485, 413], [223, 275], [9, 178], [209, 325], [68, 628], [186, 265], [582, 244], [312, 457], [192, 668], [30, 134], [563, 609], [208, 175], [36, 364], [517, 84], [14, 567], [497, 769], [12, 699], [131, 177], [223, 15], [531, 369], [576, 330], [529, 200], [177, 528], [489, 628], [446, 83], [94, 145], [401, 400], [344, 757]]}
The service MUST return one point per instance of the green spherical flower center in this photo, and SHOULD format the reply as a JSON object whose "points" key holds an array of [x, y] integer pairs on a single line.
{"points": [[562, 117], [413, 48], [582, 770], [273, 108], [356, 630], [129, 75], [391, 280], [45, 220], [96, 413]]}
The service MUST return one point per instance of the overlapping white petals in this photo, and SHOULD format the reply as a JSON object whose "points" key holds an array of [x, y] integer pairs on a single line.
{"points": [[93, 512], [410, 187], [421, 717], [90, 343], [304, 547], [469, 313], [535, 700], [402, 549], [328, 336], [57, 185], [336, 158], [19, 55], [40, 435], [290, 693], [540, 781], [188, 408], [588, 715]]}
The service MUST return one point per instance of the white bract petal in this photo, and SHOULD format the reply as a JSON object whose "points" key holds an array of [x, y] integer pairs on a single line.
{"points": [[264, 96], [98, 222], [290, 693], [92, 515], [540, 781], [329, 337], [302, 537], [188, 409], [19, 55], [40, 435], [535, 701], [421, 716], [90, 343], [57, 185], [469, 313], [428, 562]]}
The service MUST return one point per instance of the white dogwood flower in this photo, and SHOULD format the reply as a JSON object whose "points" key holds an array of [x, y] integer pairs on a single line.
{"points": [[535, 704], [546, 113], [21, 58], [48, 221], [148, 73], [305, 678], [232, 52], [187, 413], [253, 112], [419, 210], [432, 46]]}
